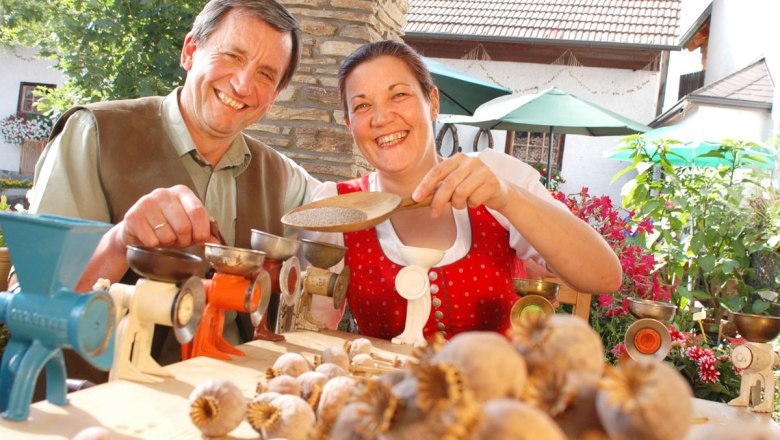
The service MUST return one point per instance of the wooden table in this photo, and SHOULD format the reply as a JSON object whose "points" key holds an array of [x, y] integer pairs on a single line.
{"points": [[160, 411]]}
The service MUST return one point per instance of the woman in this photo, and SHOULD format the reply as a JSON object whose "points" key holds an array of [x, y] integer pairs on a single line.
{"points": [[487, 210]]}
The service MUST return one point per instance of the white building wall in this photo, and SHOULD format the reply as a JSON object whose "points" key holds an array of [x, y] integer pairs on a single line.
{"points": [[627, 92], [741, 32], [717, 122], [17, 66]]}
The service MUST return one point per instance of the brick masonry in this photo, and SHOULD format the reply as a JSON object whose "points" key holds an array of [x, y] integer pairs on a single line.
{"points": [[306, 123]]}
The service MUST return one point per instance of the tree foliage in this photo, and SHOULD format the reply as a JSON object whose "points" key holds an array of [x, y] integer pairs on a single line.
{"points": [[108, 49]]}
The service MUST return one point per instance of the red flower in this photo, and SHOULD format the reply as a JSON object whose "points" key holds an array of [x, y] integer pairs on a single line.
{"points": [[620, 352]]}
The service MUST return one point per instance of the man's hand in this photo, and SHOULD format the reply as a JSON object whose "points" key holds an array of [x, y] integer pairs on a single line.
{"points": [[167, 217]]}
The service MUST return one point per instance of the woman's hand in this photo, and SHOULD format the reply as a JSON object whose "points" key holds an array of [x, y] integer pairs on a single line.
{"points": [[462, 180]]}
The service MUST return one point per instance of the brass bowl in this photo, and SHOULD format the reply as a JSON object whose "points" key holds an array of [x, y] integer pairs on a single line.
{"points": [[274, 246], [546, 289], [757, 328], [321, 254], [645, 308], [161, 264], [233, 260]]}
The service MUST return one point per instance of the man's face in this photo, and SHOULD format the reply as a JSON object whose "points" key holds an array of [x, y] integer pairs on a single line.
{"points": [[232, 77]]}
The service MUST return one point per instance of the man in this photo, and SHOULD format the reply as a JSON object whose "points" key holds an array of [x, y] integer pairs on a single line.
{"points": [[159, 168]]}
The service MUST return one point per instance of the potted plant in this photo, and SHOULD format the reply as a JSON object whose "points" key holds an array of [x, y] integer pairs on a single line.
{"points": [[705, 234]]}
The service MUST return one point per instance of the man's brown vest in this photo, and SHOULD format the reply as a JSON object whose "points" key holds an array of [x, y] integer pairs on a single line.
{"points": [[136, 156]]}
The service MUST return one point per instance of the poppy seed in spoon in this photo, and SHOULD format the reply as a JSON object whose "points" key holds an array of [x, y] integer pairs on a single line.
{"points": [[326, 216]]}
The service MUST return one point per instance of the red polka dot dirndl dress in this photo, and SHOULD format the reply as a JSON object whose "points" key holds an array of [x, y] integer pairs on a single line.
{"points": [[473, 293]]}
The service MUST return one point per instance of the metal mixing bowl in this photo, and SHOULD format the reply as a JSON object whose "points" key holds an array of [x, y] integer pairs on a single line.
{"points": [[322, 255], [275, 247], [161, 264], [233, 260], [757, 328], [645, 308], [545, 289]]}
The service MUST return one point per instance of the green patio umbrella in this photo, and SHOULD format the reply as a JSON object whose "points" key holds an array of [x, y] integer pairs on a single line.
{"points": [[692, 149], [461, 93], [551, 110]]}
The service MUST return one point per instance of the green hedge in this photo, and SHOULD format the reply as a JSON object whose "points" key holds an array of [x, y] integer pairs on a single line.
{"points": [[11, 183]]}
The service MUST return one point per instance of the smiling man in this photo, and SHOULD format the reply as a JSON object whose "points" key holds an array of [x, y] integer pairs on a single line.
{"points": [[159, 168]]}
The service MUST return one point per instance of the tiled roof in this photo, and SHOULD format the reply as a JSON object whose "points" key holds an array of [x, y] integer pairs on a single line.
{"points": [[652, 23], [753, 83]]}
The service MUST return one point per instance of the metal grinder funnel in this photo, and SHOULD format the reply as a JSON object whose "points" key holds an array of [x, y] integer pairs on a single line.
{"points": [[46, 315]]}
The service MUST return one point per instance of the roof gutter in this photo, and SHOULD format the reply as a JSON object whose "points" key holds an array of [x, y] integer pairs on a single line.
{"points": [[516, 40], [680, 106], [694, 28], [730, 102]]}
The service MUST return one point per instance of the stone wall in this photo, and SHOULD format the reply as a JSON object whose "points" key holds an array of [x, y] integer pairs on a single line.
{"points": [[306, 123]]}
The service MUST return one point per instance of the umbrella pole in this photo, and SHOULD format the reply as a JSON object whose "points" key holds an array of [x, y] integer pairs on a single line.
{"points": [[549, 160]]}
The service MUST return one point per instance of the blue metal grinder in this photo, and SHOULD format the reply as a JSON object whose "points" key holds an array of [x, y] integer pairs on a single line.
{"points": [[49, 254]]}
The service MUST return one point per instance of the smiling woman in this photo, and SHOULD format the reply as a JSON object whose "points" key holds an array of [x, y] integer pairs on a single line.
{"points": [[486, 210]]}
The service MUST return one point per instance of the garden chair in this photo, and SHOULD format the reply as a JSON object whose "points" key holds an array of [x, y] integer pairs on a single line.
{"points": [[580, 301]]}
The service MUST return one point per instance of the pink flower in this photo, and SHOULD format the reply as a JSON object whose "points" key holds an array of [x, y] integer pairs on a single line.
{"points": [[707, 371], [605, 300], [620, 351], [677, 335], [698, 353]]}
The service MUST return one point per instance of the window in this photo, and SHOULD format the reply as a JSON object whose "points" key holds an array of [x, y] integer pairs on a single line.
{"points": [[27, 101], [533, 147]]}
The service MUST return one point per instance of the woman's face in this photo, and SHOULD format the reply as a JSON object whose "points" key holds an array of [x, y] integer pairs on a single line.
{"points": [[389, 116]]}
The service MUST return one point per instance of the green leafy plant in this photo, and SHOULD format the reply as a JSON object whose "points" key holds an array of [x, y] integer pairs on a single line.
{"points": [[13, 183], [107, 49], [705, 232]]}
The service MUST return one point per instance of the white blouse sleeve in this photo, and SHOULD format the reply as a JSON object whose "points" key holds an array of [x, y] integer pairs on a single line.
{"points": [[521, 175]]}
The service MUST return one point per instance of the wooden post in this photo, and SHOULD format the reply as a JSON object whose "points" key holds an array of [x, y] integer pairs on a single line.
{"points": [[510, 142]]}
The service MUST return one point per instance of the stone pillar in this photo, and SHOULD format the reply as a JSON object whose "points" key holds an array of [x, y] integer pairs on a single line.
{"points": [[306, 123]]}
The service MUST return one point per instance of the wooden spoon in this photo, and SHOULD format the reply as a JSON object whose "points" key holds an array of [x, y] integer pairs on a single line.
{"points": [[350, 212]]}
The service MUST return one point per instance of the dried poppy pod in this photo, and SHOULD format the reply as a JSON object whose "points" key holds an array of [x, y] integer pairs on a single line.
{"points": [[559, 342], [370, 414], [281, 416], [490, 365], [331, 370], [282, 384], [217, 407], [364, 346], [334, 355], [335, 395], [292, 364], [434, 403], [644, 401], [569, 398], [311, 383], [513, 419]]}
